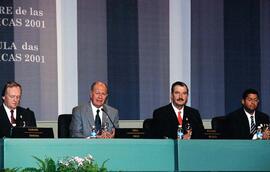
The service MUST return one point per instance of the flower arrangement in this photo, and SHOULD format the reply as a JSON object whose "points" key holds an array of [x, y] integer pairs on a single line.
{"points": [[69, 164]]}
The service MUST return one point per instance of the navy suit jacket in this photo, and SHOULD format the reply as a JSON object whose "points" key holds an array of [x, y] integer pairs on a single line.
{"points": [[165, 122], [25, 117], [238, 125], [83, 119]]}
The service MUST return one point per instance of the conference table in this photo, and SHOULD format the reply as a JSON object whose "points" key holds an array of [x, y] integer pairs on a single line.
{"points": [[143, 154]]}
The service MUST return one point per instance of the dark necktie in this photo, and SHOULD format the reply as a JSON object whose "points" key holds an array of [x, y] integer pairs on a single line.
{"points": [[252, 125], [13, 120], [98, 121]]}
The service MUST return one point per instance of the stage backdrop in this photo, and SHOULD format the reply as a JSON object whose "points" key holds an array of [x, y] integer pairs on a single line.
{"points": [[139, 47], [127, 44], [28, 53]]}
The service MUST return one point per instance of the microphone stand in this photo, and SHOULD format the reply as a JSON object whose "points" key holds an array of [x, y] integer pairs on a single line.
{"points": [[108, 117]]}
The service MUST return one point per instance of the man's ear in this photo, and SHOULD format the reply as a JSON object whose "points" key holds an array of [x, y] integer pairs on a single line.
{"points": [[243, 101], [90, 95]]}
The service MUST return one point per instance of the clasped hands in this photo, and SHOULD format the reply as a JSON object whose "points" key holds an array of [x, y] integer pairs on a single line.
{"points": [[106, 134], [266, 134], [187, 136]]}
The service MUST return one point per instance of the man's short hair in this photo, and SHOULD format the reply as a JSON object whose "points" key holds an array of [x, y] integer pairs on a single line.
{"points": [[10, 84], [249, 91], [96, 82], [182, 84]]}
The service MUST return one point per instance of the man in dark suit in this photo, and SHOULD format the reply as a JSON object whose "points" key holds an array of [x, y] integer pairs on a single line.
{"points": [[11, 114], [167, 118], [85, 116], [240, 121]]}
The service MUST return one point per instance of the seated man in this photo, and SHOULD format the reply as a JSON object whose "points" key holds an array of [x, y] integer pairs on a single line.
{"points": [[167, 118], [242, 123], [11, 114], [95, 113]]}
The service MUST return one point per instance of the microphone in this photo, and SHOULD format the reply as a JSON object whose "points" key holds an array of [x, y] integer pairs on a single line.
{"points": [[108, 117]]}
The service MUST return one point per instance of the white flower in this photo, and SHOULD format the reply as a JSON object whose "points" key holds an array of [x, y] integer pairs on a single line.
{"points": [[89, 158], [78, 160], [65, 163]]}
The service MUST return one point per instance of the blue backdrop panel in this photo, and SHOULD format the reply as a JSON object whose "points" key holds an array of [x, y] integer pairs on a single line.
{"points": [[207, 58], [241, 49], [6, 38], [31, 26], [123, 56]]}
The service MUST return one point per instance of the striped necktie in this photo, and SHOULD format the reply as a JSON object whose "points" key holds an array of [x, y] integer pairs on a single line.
{"points": [[252, 125]]}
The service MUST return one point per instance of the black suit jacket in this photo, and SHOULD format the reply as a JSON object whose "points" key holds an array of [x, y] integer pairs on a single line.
{"points": [[238, 125], [24, 117], [165, 122]]}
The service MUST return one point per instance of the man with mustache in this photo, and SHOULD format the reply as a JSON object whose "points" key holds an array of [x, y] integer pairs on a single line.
{"points": [[167, 118]]}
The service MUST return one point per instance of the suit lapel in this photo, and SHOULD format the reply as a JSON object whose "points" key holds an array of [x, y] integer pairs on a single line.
{"points": [[104, 116], [89, 115], [19, 117], [172, 114], [245, 123], [259, 118], [4, 118], [186, 116]]}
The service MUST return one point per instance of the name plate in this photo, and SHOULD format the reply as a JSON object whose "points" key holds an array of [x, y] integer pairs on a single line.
{"points": [[134, 133], [22, 132]]}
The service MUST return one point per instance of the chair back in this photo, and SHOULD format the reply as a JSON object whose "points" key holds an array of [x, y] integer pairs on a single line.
{"points": [[148, 128], [219, 124], [63, 125]]}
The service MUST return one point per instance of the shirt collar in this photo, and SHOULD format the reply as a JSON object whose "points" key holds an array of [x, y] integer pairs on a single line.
{"points": [[176, 110], [8, 110], [249, 114], [94, 109]]}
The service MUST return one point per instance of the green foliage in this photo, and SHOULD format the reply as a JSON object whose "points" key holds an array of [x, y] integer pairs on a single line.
{"points": [[71, 164], [9, 170], [48, 165]]}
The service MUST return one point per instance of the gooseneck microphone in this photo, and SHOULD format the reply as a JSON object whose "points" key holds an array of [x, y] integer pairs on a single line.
{"points": [[108, 117]]}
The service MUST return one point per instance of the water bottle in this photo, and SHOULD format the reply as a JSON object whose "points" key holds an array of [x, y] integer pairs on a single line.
{"points": [[180, 133], [259, 133], [93, 133]]}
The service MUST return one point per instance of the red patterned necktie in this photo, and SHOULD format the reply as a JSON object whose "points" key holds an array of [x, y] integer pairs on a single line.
{"points": [[179, 118]]}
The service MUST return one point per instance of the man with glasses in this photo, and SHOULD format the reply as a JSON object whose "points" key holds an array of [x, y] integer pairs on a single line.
{"points": [[243, 123], [96, 114], [11, 114]]}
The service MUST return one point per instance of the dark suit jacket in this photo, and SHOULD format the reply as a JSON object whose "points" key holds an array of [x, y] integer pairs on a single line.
{"points": [[24, 116], [165, 122], [238, 125]]}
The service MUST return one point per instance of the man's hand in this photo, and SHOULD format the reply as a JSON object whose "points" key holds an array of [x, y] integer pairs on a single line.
{"points": [[266, 134], [107, 134], [187, 136]]}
